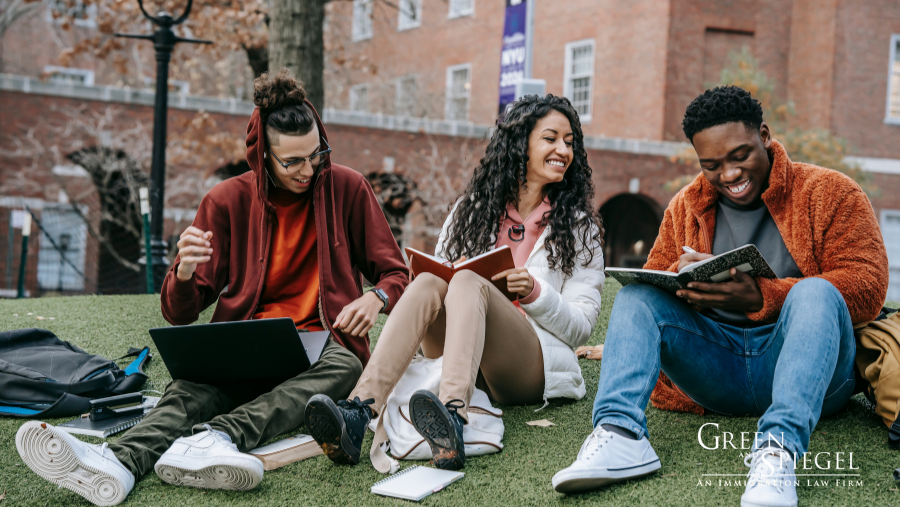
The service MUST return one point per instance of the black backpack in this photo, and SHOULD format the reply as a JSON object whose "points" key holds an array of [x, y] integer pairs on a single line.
{"points": [[42, 376]]}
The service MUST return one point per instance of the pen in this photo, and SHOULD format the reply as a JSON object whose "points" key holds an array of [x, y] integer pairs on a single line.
{"points": [[688, 249]]}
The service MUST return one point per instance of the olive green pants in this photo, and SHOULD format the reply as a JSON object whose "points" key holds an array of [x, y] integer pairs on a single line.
{"points": [[250, 415]]}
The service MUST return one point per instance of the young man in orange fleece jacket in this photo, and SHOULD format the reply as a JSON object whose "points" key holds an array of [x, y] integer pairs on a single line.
{"points": [[782, 349]]}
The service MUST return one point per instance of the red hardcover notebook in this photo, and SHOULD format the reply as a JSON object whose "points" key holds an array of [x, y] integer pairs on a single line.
{"points": [[485, 265]]}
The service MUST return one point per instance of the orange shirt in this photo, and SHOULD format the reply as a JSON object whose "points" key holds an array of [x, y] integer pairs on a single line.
{"points": [[291, 286]]}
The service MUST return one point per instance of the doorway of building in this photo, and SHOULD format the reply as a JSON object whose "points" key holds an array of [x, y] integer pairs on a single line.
{"points": [[632, 222]]}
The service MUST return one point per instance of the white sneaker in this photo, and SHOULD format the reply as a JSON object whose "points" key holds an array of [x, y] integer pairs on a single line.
{"points": [[771, 481], [606, 458], [209, 460], [90, 470]]}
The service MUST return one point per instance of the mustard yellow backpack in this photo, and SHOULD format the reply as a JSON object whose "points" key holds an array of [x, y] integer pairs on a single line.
{"points": [[878, 362]]}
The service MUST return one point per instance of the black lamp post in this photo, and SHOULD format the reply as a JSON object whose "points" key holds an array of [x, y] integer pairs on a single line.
{"points": [[164, 40]]}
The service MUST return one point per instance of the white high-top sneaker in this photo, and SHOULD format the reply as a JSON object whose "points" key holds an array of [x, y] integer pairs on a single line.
{"points": [[606, 458], [209, 460], [771, 481], [89, 470]]}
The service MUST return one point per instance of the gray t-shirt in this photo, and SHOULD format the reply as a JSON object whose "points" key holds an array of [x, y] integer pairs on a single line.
{"points": [[737, 226]]}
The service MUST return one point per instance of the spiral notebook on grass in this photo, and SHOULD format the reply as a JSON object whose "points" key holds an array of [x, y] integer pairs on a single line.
{"points": [[85, 426], [716, 269], [485, 265], [415, 483]]}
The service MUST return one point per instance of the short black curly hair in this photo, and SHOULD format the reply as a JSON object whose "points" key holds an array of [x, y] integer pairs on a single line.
{"points": [[722, 104]]}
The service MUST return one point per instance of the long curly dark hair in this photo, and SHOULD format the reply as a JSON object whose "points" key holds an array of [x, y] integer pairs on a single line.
{"points": [[499, 176]]}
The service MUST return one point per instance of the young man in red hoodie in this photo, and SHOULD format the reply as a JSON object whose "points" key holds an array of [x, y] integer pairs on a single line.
{"points": [[288, 239]]}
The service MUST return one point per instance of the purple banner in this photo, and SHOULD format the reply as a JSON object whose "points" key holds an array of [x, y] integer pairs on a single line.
{"points": [[512, 53]]}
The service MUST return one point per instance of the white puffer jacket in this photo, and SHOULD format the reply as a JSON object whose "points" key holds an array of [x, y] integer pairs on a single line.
{"points": [[563, 316]]}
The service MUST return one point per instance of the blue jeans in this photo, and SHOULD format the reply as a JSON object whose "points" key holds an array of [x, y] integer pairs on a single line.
{"points": [[789, 373]]}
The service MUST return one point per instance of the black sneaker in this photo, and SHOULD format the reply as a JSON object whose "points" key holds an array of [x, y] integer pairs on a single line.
{"points": [[442, 429], [338, 428]]}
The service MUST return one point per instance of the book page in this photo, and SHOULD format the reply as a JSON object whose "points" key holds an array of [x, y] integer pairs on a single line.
{"points": [[421, 262], [439, 260], [285, 443], [462, 265]]}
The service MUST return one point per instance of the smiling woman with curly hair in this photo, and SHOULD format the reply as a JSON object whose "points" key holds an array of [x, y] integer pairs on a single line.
{"points": [[531, 192]]}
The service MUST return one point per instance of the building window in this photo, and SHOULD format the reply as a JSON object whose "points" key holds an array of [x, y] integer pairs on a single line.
{"points": [[66, 75], [459, 86], [890, 231], [579, 77], [406, 96], [359, 98], [893, 100], [459, 8], [362, 19], [62, 249], [410, 14], [81, 13]]}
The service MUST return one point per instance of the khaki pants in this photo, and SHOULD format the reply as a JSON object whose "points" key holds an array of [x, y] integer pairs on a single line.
{"points": [[475, 327]]}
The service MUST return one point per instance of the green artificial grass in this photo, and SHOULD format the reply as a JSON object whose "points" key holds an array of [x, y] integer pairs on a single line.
{"points": [[519, 475]]}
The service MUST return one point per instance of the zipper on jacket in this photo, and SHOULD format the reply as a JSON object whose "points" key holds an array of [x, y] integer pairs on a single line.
{"points": [[322, 314], [321, 304], [265, 260]]}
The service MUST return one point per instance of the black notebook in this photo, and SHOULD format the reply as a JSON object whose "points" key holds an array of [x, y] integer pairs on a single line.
{"points": [[85, 426], [713, 270]]}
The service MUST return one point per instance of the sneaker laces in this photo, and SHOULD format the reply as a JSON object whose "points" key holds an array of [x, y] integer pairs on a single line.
{"points": [[355, 403], [221, 436], [772, 474], [453, 407], [594, 442]]}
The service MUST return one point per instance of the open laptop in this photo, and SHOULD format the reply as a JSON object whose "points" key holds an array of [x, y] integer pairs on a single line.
{"points": [[265, 350]]}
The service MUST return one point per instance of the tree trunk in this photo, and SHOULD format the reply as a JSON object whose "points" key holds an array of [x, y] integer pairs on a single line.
{"points": [[296, 42], [258, 57]]}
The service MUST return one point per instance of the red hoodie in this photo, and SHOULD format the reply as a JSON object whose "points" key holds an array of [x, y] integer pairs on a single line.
{"points": [[353, 239]]}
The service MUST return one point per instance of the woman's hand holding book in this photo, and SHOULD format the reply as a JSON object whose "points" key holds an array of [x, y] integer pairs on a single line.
{"points": [[518, 280]]}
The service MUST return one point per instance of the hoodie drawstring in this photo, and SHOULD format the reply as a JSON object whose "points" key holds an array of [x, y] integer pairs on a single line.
{"points": [[337, 243]]}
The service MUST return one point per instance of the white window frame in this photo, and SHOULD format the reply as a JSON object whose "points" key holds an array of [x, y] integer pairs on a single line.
{"points": [[449, 97], [404, 21], [85, 74], [455, 13], [363, 31], [568, 76], [175, 85], [354, 97], [90, 11], [895, 54], [407, 102], [893, 260]]}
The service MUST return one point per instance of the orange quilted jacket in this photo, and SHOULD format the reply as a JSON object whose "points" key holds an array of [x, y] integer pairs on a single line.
{"points": [[827, 223]]}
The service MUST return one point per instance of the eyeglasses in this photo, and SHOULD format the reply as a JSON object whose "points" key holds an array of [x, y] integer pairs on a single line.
{"points": [[313, 159]]}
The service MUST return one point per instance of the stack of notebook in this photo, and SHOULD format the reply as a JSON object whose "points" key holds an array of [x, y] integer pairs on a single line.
{"points": [[105, 427]]}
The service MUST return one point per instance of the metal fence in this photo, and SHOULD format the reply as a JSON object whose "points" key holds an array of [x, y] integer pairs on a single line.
{"points": [[70, 249]]}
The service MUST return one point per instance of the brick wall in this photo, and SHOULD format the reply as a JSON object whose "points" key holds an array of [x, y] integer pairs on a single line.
{"points": [[862, 52], [700, 34], [440, 164]]}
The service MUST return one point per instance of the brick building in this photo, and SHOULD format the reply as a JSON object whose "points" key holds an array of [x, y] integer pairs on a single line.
{"points": [[415, 91]]}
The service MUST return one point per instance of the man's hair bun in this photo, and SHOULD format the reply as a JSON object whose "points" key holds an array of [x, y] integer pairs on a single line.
{"points": [[274, 92]]}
